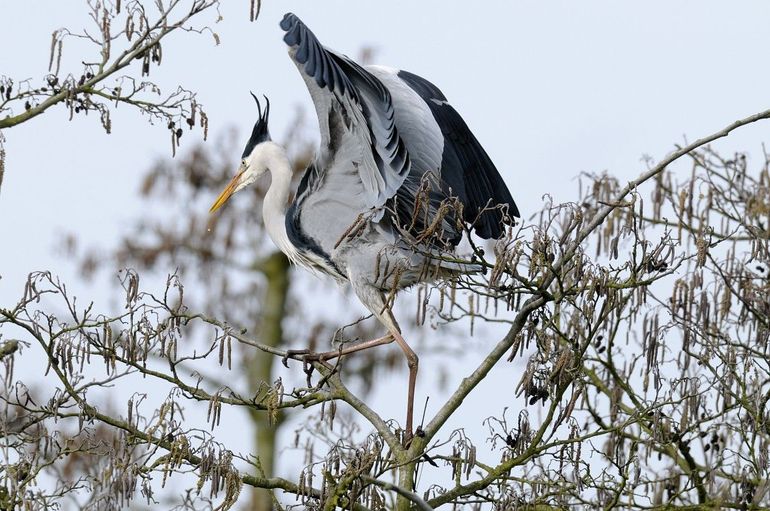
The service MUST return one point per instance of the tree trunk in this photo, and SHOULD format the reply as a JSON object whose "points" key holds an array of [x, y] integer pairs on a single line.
{"points": [[259, 367], [406, 481]]}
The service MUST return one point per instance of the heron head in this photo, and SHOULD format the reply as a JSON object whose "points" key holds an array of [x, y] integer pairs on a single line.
{"points": [[254, 158]]}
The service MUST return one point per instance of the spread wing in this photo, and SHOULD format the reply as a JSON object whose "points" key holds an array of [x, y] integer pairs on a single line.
{"points": [[465, 166], [355, 115]]}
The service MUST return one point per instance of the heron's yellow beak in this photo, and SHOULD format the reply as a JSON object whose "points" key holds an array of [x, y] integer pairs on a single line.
{"points": [[227, 192]]}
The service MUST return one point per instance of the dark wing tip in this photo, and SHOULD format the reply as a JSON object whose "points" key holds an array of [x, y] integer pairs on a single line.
{"points": [[312, 58], [513, 210], [289, 19], [293, 27], [466, 166]]}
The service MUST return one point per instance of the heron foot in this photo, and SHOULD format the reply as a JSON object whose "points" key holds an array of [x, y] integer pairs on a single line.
{"points": [[293, 354], [307, 355]]}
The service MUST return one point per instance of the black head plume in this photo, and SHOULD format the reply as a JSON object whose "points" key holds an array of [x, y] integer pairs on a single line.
{"points": [[260, 132]]}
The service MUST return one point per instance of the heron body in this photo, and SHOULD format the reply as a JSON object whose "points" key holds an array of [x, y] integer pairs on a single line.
{"points": [[397, 175]]}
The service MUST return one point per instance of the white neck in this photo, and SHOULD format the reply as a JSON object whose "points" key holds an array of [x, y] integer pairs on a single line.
{"points": [[276, 199]]}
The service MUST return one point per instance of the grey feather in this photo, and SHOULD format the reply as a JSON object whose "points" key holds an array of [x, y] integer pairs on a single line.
{"points": [[384, 203], [465, 166], [360, 103], [392, 152]]}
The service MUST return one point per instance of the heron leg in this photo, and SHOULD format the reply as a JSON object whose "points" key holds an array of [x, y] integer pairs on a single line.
{"points": [[386, 317], [412, 362]]}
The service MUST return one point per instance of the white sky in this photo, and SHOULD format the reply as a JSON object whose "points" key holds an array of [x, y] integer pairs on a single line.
{"points": [[549, 88]]}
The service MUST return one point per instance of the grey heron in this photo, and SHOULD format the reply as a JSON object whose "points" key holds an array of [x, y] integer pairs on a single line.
{"points": [[396, 181]]}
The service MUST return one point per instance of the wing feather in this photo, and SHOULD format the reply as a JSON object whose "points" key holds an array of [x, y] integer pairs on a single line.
{"points": [[341, 87], [466, 167]]}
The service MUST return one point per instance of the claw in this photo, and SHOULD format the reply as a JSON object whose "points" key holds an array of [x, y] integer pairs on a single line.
{"points": [[293, 353]]}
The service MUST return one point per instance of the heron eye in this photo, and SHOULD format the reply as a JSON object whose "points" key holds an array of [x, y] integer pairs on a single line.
{"points": [[243, 162]]}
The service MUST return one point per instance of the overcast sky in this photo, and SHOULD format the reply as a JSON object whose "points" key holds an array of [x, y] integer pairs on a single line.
{"points": [[551, 89]]}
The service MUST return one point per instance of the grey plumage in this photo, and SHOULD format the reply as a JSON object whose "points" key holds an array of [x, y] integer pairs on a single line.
{"points": [[384, 135], [355, 111], [397, 178], [465, 166]]}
